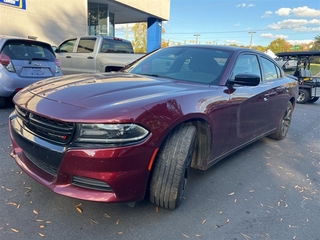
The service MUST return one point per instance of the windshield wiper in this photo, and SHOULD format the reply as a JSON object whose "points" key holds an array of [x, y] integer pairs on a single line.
{"points": [[155, 75]]}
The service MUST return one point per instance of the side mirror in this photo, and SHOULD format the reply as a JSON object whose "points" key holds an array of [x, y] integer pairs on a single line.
{"points": [[246, 79]]}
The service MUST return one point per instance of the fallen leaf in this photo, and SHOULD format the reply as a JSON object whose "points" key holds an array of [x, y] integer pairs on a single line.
{"points": [[198, 235], [48, 221], [235, 200], [42, 226], [118, 221], [227, 221], [283, 187], [280, 167], [15, 230], [245, 236], [9, 190], [281, 219], [93, 221], [220, 212], [290, 226], [41, 234], [251, 191], [119, 233], [204, 221], [35, 211], [230, 194], [79, 209], [39, 220], [185, 235], [106, 215], [157, 209]]}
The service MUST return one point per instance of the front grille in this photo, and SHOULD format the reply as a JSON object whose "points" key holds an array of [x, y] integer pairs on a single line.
{"points": [[90, 184], [46, 128], [43, 165]]}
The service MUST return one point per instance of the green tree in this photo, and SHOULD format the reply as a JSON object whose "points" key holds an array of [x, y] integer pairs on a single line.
{"points": [[260, 48], [140, 37], [279, 45], [139, 43], [316, 43]]}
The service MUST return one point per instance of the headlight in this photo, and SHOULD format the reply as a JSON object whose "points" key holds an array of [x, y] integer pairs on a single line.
{"points": [[110, 133]]}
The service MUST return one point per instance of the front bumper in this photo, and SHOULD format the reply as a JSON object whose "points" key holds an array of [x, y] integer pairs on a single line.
{"points": [[103, 175]]}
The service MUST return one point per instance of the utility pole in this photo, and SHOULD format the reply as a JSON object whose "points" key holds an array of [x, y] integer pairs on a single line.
{"points": [[251, 38], [197, 35]]}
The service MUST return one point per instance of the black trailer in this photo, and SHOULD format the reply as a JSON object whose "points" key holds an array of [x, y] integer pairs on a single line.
{"points": [[309, 86]]}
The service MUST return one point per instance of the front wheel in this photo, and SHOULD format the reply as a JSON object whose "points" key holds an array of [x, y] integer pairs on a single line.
{"points": [[303, 96], [171, 167], [313, 99], [284, 124]]}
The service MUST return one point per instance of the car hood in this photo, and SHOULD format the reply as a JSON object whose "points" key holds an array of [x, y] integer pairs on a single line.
{"points": [[109, 90]]}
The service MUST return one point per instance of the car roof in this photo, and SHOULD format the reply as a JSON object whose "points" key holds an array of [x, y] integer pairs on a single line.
{"points": [[5, 37], [299, 54], [234, 49]]}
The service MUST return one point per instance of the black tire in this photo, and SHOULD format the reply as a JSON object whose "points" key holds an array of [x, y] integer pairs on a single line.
{"points": [[284, 124], [303, 96], [313, 99], [171, 167]]}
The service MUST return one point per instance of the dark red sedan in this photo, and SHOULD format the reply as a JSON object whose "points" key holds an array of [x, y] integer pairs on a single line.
{"points": [[117, 137]]}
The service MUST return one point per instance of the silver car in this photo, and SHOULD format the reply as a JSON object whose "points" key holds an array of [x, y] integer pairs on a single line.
{"points": [[23, 62]]}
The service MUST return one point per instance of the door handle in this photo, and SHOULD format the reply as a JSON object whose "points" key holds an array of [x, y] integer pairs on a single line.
{"points": [[90, 57], [68, 56]]}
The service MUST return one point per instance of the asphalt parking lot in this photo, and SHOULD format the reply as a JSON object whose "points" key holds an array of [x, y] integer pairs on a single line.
{"points": [[268, 190]]}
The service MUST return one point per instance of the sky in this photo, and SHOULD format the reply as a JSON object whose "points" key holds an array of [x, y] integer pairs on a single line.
{"points": [[241, 22]]}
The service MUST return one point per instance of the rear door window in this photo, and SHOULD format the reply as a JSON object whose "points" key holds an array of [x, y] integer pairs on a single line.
{"points": [[86, 45]]}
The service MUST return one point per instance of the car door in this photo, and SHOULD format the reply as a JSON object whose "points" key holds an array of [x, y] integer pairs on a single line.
{"points": [[278, 94], [83, 60], [248, 103], [64, 53]]}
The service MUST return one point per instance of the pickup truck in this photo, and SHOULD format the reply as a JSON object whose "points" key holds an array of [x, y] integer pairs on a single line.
{"points": [[93, 54]]}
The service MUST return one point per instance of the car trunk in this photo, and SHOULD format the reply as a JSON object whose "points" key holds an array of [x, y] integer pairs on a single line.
{"points": [[34, 68]]}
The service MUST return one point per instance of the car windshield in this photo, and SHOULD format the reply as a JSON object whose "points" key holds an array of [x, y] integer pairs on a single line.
{"points": [[193, 64]]}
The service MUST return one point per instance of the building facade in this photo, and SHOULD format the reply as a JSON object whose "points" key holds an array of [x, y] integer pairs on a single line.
{"points": [[54, 21]]}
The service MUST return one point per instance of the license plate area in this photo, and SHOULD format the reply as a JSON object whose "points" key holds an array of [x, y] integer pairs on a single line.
{"points": [[36, 72]]}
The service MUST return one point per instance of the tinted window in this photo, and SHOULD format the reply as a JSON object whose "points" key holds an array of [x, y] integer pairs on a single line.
{"points": [[26, 50], [115, 46], [86, 45], [67, 46], [202, 65], [247, 63], [270, 70]]}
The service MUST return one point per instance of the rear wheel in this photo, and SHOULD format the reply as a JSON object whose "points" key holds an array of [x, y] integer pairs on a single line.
{"points": [[303, 96], [171, 167], [313, 99], [284, 124]]}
